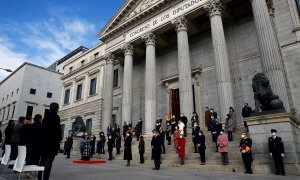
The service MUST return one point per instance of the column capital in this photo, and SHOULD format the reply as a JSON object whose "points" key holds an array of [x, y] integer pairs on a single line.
{"points": [[271, 8], [149, 38], [109, 58], [214, 7], [128, 49], [180, 23]]}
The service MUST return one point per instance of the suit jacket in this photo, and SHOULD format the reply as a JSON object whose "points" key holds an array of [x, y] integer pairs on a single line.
{"points": [[156, 147], [276, 145], [52, 134], [15, 138]]}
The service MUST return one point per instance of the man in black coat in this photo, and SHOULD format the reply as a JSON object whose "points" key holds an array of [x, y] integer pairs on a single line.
{"points": [[195, 133], [246, 111], [110, 146], [276, 150], [156, 149], [52, 135], [184, 119], [245, 148], [162, 134]]}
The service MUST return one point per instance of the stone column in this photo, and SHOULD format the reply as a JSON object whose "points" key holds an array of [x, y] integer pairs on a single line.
{"points": [[127, 84], [108, 91], [271, 60], [150, 81], [184, 67], [222, 70]]}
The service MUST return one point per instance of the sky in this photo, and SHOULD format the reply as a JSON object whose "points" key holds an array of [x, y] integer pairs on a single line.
{"points": [[44, 31]]}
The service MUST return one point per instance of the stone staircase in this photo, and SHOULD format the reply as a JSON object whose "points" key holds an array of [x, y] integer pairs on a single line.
{"points": [[171, 159]]}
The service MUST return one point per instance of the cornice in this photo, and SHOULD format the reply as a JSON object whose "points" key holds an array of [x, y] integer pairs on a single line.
{"points": [[135, 20]]}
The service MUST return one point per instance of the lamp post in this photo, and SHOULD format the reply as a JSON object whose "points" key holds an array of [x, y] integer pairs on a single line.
{"points": [[7, 70]]}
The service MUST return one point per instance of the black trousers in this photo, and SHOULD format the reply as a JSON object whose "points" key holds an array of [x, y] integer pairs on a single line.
{"points": [[118, 150], [68, 152], [163, 148], [247, 159], [142, 160], [109, 155], [47, 163], [195, 146], [224, 158], [184, 130], [202, 154], [14, 152], [157, 164], [278, 164], [229, 135]]}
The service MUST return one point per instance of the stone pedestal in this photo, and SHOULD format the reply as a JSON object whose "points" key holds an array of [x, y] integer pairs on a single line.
{"points": [[75, 152], [287, 127]]}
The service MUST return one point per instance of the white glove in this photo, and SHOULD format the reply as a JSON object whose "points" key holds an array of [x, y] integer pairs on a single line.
{"points": [[282, 155], [243, 151], [271, 154]]}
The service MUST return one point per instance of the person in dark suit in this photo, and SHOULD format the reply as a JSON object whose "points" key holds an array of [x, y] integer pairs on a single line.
{"points": [[156, 149], [51, 137], [15, 138], [201, 146], [8, 133], [127, 148], [110, 146], [68, 145], [118, 142], [245, 148], [195, 133], [276, 150], [141, 149], [162, 134]]}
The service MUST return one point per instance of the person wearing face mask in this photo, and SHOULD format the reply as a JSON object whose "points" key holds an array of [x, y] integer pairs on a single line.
{"points": [[276, 150], [245, 148], [176, 136], [173, 123], [195, 119], [110, 146], [215, 129], [222, 143], [181, 148], [229, 126], [156, 149], [195, 133], [127, 149], [184, 120], [162, 134], [201, 146], [158, 123]]}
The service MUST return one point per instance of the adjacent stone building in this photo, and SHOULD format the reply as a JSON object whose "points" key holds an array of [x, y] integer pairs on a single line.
{"points": [[29, 90]]}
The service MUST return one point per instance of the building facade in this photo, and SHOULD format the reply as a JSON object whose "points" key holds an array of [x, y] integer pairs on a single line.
{"points": [[179, 56], [82, 92], [29, 90]]}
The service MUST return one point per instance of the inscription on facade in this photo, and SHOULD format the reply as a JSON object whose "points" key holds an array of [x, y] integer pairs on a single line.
{"points": [[165, 17]]}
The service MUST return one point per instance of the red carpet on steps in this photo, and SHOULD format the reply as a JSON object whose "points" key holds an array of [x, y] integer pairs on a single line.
{"points": [[97, 161]]}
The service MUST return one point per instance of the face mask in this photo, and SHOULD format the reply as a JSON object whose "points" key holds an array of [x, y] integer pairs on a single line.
{"points": [[200, 134], [273, 134], [243, 136], [221, 132], [127, 134], [195, 124], [211, 117]]}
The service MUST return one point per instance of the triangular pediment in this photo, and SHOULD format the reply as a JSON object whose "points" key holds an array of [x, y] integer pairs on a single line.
{"points": [[129, 10]]}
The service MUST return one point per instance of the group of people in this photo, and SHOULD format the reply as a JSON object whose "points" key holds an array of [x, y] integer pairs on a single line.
{"points": [[41, 138]]}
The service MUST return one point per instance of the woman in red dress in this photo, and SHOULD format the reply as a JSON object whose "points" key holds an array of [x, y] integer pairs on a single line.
{"points": [[181, 148], [176, 137]]}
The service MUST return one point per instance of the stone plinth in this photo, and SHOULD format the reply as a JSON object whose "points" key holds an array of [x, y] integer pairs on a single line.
{"points": [[75, 152], [287, 127]]}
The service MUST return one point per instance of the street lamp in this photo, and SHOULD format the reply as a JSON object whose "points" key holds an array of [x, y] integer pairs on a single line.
{"points": [[7, 70]]}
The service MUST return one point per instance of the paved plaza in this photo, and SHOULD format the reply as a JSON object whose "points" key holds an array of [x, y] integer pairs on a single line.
{"points": [[116, 170]]}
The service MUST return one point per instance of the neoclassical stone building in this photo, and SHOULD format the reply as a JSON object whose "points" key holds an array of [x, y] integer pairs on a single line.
{"points": [[179, 56]]}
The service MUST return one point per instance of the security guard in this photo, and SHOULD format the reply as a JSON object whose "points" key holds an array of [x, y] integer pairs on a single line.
{"points": [[276, 150], [245, 148]]}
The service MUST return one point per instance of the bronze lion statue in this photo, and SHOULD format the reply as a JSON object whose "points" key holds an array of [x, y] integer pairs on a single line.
{"points": [[77, 126], [263, 94]]}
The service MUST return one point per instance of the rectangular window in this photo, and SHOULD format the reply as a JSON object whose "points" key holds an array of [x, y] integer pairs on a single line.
{"points": [[89, 124], [82, 63], [12, 94], [7, 97], [93, 86], [17, 90], [32, 91], [115, 82], [96, 55], [79, 92], [113, 119], [29, 111], [13, 112], [62, 126], [46, 112], [70, 69], [8, 113], [67, 96], [49, 95]]}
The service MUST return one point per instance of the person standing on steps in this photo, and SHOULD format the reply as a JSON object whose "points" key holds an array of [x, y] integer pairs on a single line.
{"points": [[215, 129], [276, 150], [207, 118], [141, 149], [184, 119], [110, 147], [168, 132], [127, 148], [162, 135], [222, 143], [181, 148], [245, 148], [246, 111], [176, 136], [158, 123], [201, 146], [229, 126], [234, 118], [195, 134], [118, 142], [194, 119], [125, 129], [156, 149]]}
